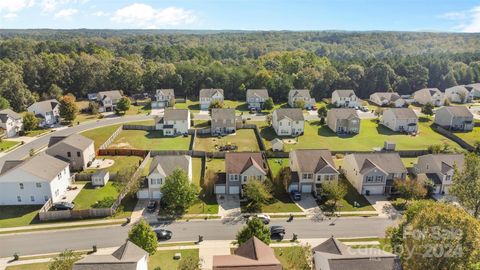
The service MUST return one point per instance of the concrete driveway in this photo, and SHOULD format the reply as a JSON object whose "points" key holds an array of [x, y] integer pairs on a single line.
{"points": [[307, 203], [157, 112], [383, 206], [229, 208]]}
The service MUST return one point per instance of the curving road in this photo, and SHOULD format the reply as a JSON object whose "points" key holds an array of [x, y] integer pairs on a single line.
{"points": [[24, 150]]}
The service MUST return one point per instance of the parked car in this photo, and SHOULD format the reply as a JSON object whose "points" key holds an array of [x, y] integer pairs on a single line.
{"points": [[152, 205], [163, 234], [277, 232], [63, 206], [296, 195], [364, 109], [262, 217]]}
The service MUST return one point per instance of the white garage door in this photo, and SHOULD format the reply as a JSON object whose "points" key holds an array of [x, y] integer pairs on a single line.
{"points": [[373, 190], [156, 195], [143, 194], [306, 188], [219, 189], [234, 190], [293, 187]]}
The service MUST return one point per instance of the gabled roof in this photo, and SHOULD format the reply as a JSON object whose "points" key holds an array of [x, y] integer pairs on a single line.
{"points": [[473, 86], [165, 165], [75, 140], [208, 93], [237, 163], [261, 93], [43, 166], [175, 114], [332, 246], [46, 105], [253, 254], [426, 92], [442, 163], [125, 257], [166, 92], [295, 114], [458, 88], [402, 113], [300, 93], [387, 162], [344, 92], [343, 113], [223, 114], [369, 165], [388, 96], [276, 140], [458, 111], [7, 113], [112, 94], [313, 160]]}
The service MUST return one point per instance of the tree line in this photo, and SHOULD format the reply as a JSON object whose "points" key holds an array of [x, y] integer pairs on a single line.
{"points": [[37, 65]]}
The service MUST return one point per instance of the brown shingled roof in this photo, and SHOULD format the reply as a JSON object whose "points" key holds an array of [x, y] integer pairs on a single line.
{"points": [[239, 162]]}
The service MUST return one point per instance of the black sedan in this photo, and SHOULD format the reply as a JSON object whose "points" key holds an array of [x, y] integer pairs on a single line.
{"points": [[152, 205], [63, 206], [163, 234], [277, 232]]}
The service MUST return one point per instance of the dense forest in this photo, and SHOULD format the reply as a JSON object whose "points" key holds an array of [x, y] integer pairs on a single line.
{"points": [[41, 64]]}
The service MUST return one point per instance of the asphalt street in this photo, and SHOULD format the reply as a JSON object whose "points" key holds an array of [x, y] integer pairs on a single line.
{"points": [[56, 241]]}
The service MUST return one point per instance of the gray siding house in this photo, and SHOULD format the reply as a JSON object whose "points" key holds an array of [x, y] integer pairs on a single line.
{"points": [[75, 149], [400, 120], [164, 98], [256, 98], [224, 121], [455, 118], [343, 120], [439, 168]]}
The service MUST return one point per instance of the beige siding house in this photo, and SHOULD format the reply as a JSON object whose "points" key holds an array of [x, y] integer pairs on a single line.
{"points": [[343, 120], [458, 94], [429, 95], [207, 96], [173, 122], [455, 118], [400, 120], [48, 111], [256, 98], [288, 122], [224, 121], [11, 122], [391, 99], [345, 98], [303, 95], [108, 100], [439, 168], [474, 89], [75, 149], [163, 98]]}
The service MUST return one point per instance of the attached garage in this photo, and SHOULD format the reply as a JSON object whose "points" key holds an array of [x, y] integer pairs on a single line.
{"points": [[156, 195], [373, 190], [293, 187], [143, 194], [306, 188], [234, 190], [220, 189]]}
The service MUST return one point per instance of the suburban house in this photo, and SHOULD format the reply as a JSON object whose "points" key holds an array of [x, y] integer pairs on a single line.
{"points": [[458, 94], [127, 257], [429, 95], [108, 100], [335, 255], [310, 169], [343, 120], [300, 95], [345, 98], [48, 111], [173, 122], [224, 121], [75, 149], [11, 122], [373, 173], [288, 121], [256, 98], [251, 255], [455, 118], [163, 98], [439, 168], [207, 96], [33, 181], [239, 168], [160, 168], [474, 89], [400, 120], [392, 99]]}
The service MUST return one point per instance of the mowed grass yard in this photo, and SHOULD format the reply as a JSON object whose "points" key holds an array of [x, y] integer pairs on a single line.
{"points": [[119, 163], [150, 140], [244, 139], [90, 195], [6, 144], [204, 205], [471, 137], [371, 135], [164, 258], [18, 215], [32, 266]]}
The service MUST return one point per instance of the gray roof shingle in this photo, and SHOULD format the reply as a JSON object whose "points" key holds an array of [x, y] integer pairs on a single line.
{"points": [[165, 165], [345, 92], [7, 113], [301, 93], [223, 114], [313, 160], [343, 113], [295, 114], [175, 114], [402, 113], [208, 93], [262, 93], [388, 162], [238, 162], [43, 166], [458, 111], [75, 140]]}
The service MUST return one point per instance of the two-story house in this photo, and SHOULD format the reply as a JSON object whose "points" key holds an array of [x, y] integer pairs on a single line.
{"points": [[75, 149], [373, 173], [429, 95], [256, 98], [11, 122], [241, 167], [108, 100], [48, 111], [439, 168], [208, 96], [458, 94], [310, 169], [297, 96], [400, 120], [345, 98], [173, 122], [392, 99], [160, 168], [33, 181], [163, 98], [224, 121], [343, 120], [455, 118], [288, 121], [474, 89]]}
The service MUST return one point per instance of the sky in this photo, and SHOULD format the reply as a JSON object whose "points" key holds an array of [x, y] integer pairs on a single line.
{"points": [[353, 15]]}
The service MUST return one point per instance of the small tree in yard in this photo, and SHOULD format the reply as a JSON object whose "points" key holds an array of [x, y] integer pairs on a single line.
{"points": [[68, 108], [64, 261], [299, 104], [142, 235], [216, 104], [284, 177], [466, 184], [427, 109], [378, 111], [178, 192], [334, 192], [30, 121], [257, 194], [410, 189], [190, 263], [123, 104], [93, 108], [269, 118], [254, 227], [268, 105]]}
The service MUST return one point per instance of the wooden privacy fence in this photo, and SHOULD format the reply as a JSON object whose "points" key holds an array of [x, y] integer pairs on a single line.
{"points": [[45, 215], [111, 139], [138, 127], [122, 152], [453, 137]]}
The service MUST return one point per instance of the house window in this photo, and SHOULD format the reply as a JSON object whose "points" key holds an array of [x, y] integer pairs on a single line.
{"points": [[19, 199], [379, 179], [449, 177], [78, 154], [319, 178], [39, 185], [307, 176], [369, 178], [280, 124], [32, 198], [21, 185], [69, 154], [155, 181], [45, 198], [57, 192]]}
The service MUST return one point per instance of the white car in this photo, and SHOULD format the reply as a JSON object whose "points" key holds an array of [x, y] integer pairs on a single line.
{"points": [[262, 217]]}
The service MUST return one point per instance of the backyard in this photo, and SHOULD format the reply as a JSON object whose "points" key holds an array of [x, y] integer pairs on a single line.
{"points": [[90, 195], [471, 137], [18, 215], [164, 259], [244, 139], [204, 204], [150, 140]]}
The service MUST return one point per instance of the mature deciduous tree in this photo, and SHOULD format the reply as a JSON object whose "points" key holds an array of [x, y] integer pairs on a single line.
{"points": [[178, 192], [254, 227], [466, 184], [142, 235]]}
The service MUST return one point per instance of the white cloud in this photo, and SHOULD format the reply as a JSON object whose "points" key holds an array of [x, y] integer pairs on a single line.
{"points": [[453, 15], [10, 16], [49, 6], [15, 5], [467, 21], [65, 14], [145, 16], [474, 22], [100, 14]]}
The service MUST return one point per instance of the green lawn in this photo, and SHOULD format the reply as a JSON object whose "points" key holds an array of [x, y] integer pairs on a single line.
{"points": [[33, 266], [21, 215], [283, 253], [408, 162], [216, 165], [150, 140], [100, 135], [134, 110], [201, 124], [5, 145], [204, 205], [36, 132], [193, 106], [90, 195], [196, 170], [470, 137], [119, 162], [83, 117], [353, 196], [276, 164], [371, 135], [164, 258], [244, 139]]}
